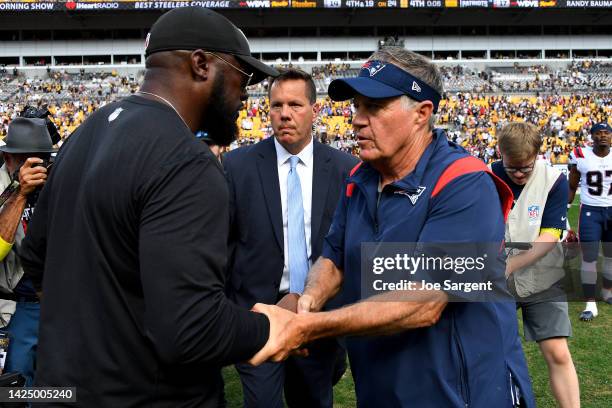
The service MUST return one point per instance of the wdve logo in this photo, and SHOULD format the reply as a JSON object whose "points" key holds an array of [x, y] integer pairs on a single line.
{"points": [[258, 3]]}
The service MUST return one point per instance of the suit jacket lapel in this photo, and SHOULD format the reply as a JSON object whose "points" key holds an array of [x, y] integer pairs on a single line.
{"points": [[268, 176], [321, 181]]}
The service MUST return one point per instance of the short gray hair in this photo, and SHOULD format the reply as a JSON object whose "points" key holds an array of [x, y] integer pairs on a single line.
{"points": [[416, 65]]}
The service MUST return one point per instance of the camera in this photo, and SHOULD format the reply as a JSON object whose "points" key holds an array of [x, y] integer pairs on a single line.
{"points": [[47, 162], [32, 199]]}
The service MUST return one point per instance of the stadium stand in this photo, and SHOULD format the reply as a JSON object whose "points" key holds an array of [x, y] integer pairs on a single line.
{"points": [[562, 102], [547, 65]]}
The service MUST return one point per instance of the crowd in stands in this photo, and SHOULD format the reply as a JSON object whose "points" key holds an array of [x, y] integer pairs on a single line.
{"points": [[470, 118], [322, 76], [330, 70], [69, 97], [588, 66], [578, 76]]}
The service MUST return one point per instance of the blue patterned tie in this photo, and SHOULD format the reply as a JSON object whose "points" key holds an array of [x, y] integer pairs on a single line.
{"points": [[296, 237]]}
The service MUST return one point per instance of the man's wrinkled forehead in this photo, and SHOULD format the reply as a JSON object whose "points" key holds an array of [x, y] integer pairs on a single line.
{"points": [[360, 99]]}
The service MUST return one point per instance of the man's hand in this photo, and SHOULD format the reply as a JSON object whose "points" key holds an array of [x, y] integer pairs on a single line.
{"points": [[285, 337], [31, 175], [509, 267], [306, 304], [289, 302], [542, 245]]}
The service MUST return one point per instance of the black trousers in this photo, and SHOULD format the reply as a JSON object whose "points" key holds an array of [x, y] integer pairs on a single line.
{"points": [[305, 381]]}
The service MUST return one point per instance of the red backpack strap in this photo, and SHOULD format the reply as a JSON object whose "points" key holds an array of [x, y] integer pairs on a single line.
{"points": [[351, 186], [470, 164]]}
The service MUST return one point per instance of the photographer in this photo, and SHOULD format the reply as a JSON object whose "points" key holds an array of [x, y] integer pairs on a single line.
{"points": [[26, 158]]}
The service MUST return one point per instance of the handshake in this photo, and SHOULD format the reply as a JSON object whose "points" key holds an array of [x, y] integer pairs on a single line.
{"points": [[290, 328]]}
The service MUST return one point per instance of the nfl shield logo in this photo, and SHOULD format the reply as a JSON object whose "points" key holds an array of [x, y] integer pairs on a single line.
{"points": [[534, 212]]}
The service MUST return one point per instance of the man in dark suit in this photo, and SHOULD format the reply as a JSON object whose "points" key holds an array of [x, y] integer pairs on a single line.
{"points": [[283, 194]]}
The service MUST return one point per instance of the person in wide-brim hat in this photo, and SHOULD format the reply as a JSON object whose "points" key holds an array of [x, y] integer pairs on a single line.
{"points": [[24, 151], [28, 135]]}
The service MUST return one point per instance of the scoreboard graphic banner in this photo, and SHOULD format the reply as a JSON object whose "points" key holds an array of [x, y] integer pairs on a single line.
{"points": [[93, 5]]}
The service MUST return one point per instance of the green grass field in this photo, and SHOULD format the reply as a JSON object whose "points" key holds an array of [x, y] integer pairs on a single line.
{"points": [[591, 348]]}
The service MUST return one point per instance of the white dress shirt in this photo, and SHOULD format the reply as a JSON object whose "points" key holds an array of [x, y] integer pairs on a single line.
{"points": [[304, 169]]}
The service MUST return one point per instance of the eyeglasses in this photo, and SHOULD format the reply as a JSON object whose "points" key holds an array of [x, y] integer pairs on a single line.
{"points": [[524, 170], [249, 76]]}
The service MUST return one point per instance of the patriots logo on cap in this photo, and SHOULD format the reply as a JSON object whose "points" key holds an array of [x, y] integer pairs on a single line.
{"points": [[373, 67], [415, 86]]}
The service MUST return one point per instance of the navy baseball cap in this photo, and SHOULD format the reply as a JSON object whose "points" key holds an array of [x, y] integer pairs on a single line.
{"points": [[194, 27], [601, 126], [379, 80]]}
